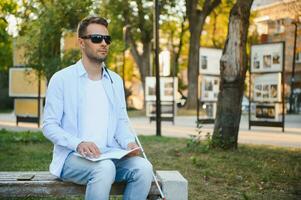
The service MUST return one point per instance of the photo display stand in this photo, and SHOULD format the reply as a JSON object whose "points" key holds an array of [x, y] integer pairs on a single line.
{"points": [[266, 85], [28, 91], [209, 88], [208, 84], [168, 88]]}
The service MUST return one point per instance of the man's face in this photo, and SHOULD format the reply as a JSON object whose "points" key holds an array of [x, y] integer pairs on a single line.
{"points": [[95, 52]]}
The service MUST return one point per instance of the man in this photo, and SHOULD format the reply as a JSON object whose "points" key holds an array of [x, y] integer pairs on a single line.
{"points": [[85, 112]]}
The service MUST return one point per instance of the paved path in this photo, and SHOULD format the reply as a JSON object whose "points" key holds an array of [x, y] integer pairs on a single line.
{"points": [[185, 126]]}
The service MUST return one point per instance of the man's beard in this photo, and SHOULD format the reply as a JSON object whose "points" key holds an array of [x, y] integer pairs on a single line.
{"points": [[96, 59]]}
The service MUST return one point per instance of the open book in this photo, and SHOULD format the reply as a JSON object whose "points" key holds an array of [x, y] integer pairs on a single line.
{"points": [[111, 153]]}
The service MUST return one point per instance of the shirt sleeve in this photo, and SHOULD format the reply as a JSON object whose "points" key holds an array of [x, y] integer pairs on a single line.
{"points": [[53, 112]]}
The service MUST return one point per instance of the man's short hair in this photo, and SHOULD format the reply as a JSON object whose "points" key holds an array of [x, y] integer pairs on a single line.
{"points": [[82, 26]]}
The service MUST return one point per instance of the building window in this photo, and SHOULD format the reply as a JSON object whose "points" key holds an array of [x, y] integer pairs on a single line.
{"points": [[279, 26], [262, 28]]}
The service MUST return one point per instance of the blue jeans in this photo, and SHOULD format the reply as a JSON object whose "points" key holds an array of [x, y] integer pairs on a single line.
{"points": [[99, 176]]}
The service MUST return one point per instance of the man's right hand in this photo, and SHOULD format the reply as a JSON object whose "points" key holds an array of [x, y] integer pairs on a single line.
{"points": [[88, 149]]}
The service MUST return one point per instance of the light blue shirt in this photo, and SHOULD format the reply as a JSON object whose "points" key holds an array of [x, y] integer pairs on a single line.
{"points": [[63, 112]]}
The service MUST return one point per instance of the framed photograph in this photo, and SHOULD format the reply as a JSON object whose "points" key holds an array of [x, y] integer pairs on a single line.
{"points": [[267, 87], [209, 87], [266, 112], [273, 91], [276, 58], [167, 109], [256, 62], [210, 109], [267, 61], [168, 88], [24, 82], [267, 57], [150, 88], [210, 61]]}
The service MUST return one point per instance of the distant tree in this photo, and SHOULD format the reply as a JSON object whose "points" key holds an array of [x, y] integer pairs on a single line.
{"points": [[43, 32], [197, 11], [7, 7], [174, 27], [214, 32], [233, 71], [132, 21]]}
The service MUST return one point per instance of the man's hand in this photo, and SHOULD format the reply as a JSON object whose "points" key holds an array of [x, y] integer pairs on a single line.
{"points": [[133, 145], [88, 149]]}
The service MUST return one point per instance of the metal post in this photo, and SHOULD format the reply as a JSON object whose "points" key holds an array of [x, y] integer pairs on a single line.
{"points": [[39, 98], [291, 110], [197, 100], [283, 88], [158, 99], [250, 98]]}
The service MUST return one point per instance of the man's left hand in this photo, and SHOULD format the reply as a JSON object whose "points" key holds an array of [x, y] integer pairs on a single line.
{"points": [[133, 145]]}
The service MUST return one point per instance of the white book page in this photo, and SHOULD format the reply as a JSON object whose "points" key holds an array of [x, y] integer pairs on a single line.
{"points": [[109, 154]]}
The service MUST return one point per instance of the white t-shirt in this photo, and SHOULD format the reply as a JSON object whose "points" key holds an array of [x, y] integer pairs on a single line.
{"points": [[95, 114]]}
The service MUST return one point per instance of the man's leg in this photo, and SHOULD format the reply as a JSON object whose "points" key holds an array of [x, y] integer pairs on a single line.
{"points": [[137, 172], [98, 176]]}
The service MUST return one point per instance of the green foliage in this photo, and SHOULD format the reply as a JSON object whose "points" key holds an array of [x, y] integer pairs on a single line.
{"points": [[138, 17], [70, 57], [7, 7], [199, 142], [6, 58], [215, 30], [225, 142], [44, 33]]}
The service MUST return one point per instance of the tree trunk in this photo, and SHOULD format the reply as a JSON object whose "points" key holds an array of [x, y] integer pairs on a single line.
{"points": [[145, 65], [193, 66], [196, 17], [142, 60], [233, 70], [177, 52]]}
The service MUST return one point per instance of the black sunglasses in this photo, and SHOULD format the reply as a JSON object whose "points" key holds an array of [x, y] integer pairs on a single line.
{"points": [[97, 38]]}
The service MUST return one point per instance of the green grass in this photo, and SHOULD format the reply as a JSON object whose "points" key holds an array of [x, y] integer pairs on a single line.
{"points": [[251, 172], [136, 113]]}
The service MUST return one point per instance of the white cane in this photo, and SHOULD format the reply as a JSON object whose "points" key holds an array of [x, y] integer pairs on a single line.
{"points": [[143, 153]]}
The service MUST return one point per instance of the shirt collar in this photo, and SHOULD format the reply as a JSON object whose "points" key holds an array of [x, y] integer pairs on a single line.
{"points": [[82, 71]]}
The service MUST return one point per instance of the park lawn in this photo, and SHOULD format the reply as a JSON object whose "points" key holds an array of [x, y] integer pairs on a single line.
{"points": [[251, 172]]}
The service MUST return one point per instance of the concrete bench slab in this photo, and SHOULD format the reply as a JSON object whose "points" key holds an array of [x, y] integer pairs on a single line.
{"points": [[42, 184]]}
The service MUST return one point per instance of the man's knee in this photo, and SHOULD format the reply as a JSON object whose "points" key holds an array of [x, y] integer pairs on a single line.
{"points": [[144, 168], [104, 170]]}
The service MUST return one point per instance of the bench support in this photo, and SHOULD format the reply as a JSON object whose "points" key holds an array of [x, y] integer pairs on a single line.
{"points": [[174, 185]]}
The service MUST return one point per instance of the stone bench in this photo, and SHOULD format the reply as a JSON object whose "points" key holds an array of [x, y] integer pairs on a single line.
{"points": [[42, 184]]}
